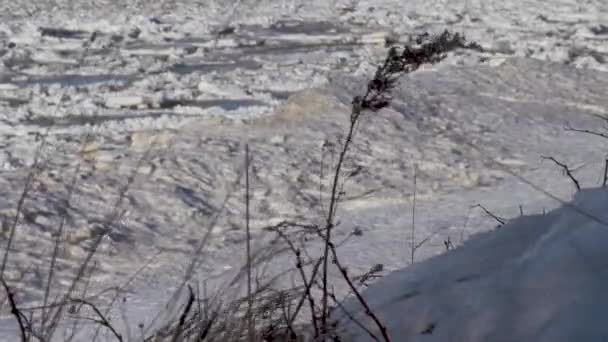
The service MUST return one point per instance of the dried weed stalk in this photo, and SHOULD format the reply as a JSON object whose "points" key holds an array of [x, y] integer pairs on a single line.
{"points": [[426, 50]]}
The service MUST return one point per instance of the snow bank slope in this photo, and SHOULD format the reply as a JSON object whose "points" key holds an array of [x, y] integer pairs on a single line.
{"points": [[538, 278]]}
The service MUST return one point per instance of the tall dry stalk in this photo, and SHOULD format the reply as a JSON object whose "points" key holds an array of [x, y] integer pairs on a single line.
{"points": [[250, 318], [377, 96], [413, 232]]}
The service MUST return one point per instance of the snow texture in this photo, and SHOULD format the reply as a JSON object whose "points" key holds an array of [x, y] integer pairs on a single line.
{"points": [[537, 278], [169, 92]]}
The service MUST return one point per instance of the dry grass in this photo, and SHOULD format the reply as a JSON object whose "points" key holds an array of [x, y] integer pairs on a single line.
{"points": [[265, 313]]}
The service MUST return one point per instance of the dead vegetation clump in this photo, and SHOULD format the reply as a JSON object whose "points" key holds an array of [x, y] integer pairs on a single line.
{"points": [[265, 312]]}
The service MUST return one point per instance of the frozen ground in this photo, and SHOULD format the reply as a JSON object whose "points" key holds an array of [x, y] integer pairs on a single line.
{"points": [[184, 85]]}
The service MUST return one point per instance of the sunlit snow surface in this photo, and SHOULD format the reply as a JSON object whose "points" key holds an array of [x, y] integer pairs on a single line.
{"points": [[538, 278], [168, 94]]}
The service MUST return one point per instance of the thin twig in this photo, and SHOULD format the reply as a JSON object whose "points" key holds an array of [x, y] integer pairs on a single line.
{"points": [[352, 318], [498, 219], [120, 289], [532, 185], [429, 236], [115, 216], [57, 243], [362, 301], [34, 169], [330, 222], [413, 235], [182, 319], [321, 177], [97, 241], [567, 171], [103, 321], [307, 284], [13, 228], [209, 323], [586, 131], [250, 319], [605, 173], [15, 311], [212, 224], [464, 226], [376, 97]]}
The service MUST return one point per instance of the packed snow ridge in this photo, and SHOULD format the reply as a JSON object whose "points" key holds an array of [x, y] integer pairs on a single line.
{"points": [[537, 278]]}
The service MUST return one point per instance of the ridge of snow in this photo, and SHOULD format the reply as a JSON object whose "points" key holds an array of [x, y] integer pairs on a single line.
{"points": [[537, 278]]}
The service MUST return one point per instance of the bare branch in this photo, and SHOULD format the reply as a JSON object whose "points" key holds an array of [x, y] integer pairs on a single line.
{"points": [[605, 173], [182, 319], [15, 311], [250, 319], [413, 236], [103, 321], [586, 131], [362, 301], [376, 97], [567, 171], [498, 219]]}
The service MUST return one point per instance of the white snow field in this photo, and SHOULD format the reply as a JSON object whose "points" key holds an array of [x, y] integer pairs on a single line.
{"points": [[146, 106], [537, 278]]}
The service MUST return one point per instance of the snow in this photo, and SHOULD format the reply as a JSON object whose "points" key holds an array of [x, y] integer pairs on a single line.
{"points": [[537, 278], [159, 81]]}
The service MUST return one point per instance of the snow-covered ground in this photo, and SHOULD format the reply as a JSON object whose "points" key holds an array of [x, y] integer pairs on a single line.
{"points": [[170, 92], [537, 278]]}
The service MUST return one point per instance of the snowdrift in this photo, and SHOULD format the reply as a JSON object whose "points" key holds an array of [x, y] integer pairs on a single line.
{"points": [[537, 278]]}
